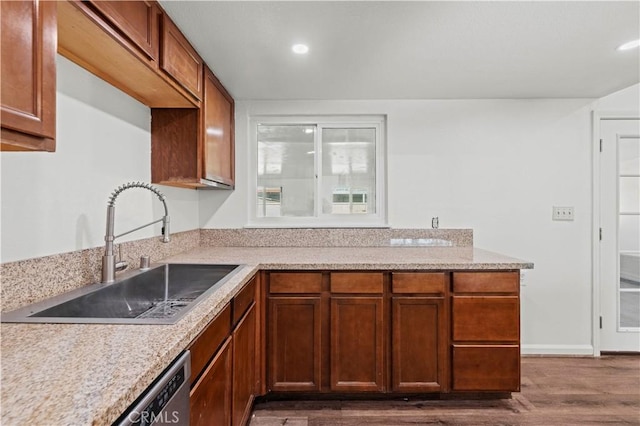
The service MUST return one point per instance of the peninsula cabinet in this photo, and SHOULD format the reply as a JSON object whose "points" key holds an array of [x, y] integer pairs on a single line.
{"points": [[28, 62], [419, 332], [399, 332], [486, 331], [357, 332]]}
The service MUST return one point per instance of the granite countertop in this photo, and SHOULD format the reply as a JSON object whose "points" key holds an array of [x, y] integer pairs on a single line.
{"points": [[88, 374]]}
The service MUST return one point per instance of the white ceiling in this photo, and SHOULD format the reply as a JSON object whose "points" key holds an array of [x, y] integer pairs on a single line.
{"points": [[415, 50]]}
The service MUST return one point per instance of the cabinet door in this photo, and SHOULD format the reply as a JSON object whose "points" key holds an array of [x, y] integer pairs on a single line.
{"points": [[419, 344], [137, 20], [28, 63], [179, 59], [219, 150], [294, 344], [211, 395], [357, 344], [244, 352]]}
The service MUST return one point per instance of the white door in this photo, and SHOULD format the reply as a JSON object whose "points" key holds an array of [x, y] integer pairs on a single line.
{"points": [[620, 235]]}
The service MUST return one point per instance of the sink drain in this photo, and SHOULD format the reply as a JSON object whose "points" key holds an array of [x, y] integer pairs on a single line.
{"points": [[165, 309]]}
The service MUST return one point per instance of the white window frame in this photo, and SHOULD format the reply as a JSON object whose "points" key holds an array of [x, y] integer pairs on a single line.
{"points": [[321, 220]]}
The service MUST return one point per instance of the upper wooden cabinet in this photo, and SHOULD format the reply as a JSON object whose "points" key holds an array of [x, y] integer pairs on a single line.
{"points": [[119, 42], [218, 132], [138, 20], [179, 59], [28, 34], [195, 148]]}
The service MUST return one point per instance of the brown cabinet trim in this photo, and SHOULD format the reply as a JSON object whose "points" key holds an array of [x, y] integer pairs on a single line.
{"points": [[357, 282], [206, 344], [295, 282], [486, 282], [418, 282]]}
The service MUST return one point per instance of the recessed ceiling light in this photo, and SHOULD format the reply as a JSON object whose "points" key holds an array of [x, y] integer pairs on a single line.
{"points": [[630, 45], [300, 49]]}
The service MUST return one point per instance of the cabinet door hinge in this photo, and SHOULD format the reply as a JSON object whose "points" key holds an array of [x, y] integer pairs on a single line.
{"points": [[600, 321], [600, 145]]}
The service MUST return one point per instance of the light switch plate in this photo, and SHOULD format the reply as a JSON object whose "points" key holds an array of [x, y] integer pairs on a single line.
{"points": [[562, 213]]}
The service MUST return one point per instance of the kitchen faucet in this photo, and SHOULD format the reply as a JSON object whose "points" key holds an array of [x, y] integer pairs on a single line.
{"points": [[109, 266]]}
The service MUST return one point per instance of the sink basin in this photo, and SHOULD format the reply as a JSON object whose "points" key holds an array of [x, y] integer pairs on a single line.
{"points": [[161, 295]]}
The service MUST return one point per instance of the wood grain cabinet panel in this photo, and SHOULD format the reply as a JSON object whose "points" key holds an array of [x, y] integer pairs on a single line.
{"points": [[357, 344], [205, 345], [219, 148], [179, 59], [295, 282], [137, 20], [28, 37], [419, 344], [357, 282], [244, 353], [210, 398], [486, 368], [486, 282], [418, 282], [486, 318], [194, 148], [294, 346], [244, 299]]}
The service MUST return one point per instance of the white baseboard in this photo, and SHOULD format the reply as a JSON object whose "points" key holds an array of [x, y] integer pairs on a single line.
{"points": [[556, 349]]}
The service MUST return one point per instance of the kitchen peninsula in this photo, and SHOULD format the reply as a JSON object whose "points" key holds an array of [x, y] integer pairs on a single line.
{"points": [[90, 373]]}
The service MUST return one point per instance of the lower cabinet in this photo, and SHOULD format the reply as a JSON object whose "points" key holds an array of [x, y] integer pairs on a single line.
{"points": [[398, 332], [244, 354], [485, 332], [357, 344], [223, 360], [418, 344], [211, 395], [294, 348]]}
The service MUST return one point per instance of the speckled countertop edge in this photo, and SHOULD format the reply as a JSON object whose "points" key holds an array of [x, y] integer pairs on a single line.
{"points": [[103, 368]]}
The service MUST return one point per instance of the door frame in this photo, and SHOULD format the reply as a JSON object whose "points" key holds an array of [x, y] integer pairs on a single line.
{"points": [[595, 215]]}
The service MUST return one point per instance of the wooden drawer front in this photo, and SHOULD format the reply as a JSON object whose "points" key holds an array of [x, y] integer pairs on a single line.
{"points": [[243, 300], [180, 60], [356, 282], [137, 20], [486, 368], [486, 282], [486, 318], [295, 282], [207, 343], [419, 282]]}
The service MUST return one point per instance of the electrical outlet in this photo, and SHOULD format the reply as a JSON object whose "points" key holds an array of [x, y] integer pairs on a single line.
{"points": [[562, 213]]}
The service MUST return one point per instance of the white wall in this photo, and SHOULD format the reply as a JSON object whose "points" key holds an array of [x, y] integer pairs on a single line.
{"points": [[56, 202], [497, 166]]}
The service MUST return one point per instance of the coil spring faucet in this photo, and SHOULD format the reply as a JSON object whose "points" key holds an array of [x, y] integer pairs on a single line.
{"points": [[109, 267]]}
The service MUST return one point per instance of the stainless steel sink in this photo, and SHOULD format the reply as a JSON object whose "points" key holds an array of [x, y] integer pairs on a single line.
{"points": [[161, 295]]}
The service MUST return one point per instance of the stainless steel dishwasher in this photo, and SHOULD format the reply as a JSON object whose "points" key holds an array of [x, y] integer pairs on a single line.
{"points": [[166, 400]]}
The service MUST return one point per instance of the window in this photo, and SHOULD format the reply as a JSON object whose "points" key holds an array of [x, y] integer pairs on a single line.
{"points": [[318, 171]]}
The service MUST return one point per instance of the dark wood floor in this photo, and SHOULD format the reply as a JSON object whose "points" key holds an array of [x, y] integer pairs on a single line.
{"points": [[555, 391]]}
